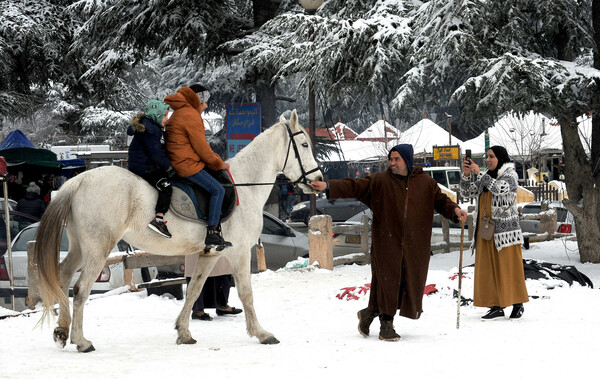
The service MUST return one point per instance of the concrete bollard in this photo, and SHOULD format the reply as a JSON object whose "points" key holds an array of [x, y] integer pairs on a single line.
{"points": [[33, 286], [320, 241], [548, 223]]}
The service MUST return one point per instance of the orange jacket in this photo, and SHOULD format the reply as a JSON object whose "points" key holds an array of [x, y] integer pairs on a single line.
{"points": [[187, 147]]}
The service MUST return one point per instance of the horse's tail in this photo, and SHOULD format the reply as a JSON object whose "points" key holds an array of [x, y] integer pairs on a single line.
{"points": [[47, 247]]}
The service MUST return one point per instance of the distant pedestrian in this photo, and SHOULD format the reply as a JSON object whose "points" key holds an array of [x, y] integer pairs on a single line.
{"points": [[31, 203], [284, 190]]}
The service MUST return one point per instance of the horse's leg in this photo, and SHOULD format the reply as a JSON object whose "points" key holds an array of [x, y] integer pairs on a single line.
{"points": [[68, 267], [203, 267], [241, 274], [96, 259]]}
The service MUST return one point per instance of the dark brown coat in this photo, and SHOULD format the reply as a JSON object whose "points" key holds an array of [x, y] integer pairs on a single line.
{"points": [[401, 234]]}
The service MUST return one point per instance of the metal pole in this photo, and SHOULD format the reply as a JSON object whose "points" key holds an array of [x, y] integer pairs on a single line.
{"points": [[8, 243], [313, 137], [449, 129]]}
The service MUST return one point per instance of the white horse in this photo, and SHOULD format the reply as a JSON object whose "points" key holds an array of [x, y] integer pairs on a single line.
{"points": [[108, 203]]}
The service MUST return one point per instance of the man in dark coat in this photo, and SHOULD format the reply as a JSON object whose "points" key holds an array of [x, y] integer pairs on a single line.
{"points": [[402, 200]]}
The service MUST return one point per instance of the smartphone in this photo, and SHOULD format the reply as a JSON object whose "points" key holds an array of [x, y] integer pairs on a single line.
{"points": [[468, 155]]}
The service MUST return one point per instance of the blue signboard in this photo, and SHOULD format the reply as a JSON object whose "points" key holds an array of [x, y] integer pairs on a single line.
{"points": [[243, 124]]}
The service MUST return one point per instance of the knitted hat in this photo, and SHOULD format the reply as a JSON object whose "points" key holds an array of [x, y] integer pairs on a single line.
{"points": [[202, 92], [406, 152], [155, 110], [33, 188]]}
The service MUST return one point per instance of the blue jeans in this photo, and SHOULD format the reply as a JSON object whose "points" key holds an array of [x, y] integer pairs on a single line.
{"points": [[217, 193]]}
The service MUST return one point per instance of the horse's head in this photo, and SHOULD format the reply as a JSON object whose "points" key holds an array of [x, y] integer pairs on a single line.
{"points": [[300, 165]]}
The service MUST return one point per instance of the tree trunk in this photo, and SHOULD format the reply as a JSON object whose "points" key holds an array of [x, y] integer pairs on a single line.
{"points": [[266, 97], [264, 10], [583, 192]]}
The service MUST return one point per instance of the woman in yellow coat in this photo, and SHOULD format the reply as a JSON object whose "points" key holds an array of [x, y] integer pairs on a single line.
{"points": [[499, 275]]}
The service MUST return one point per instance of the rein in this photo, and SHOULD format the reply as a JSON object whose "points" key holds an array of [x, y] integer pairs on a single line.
{"points": [[301, 179]]}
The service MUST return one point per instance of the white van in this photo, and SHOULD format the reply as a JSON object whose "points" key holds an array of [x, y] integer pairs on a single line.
{"points": [[447, 176]]}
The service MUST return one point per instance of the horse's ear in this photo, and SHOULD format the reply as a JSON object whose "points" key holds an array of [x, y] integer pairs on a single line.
{"points": [[293, 119], [282, 118]]}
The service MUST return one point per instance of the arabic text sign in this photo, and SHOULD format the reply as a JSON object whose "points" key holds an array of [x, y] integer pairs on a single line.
{"points": [[243, 124], [446, 152]]}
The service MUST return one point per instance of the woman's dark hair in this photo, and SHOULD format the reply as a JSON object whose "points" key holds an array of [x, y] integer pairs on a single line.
{"points": [[502, 155]]}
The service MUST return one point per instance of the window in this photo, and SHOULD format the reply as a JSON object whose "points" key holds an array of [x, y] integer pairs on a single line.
{"points": [[271, 227]]}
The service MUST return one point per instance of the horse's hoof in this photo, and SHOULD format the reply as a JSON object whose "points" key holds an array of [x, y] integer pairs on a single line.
{"points": [[60, 337], [270, 341], [186, 341], [87, 349]]}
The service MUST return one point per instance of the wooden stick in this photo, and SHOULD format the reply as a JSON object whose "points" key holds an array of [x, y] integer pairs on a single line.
{"points": [[460, 264]]}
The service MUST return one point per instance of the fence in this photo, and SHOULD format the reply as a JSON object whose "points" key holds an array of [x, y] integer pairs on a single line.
{"points": [[543, 191]]}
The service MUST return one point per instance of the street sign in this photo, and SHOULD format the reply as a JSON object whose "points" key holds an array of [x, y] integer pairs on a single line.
{"points": [[243, 124], [446, 152]]}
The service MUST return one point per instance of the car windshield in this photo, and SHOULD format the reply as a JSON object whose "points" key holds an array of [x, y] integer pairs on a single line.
{"points": [[454, 177], [29, 235]]}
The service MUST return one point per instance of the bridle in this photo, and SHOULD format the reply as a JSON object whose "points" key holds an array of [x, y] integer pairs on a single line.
{"points": [[302, 179]]}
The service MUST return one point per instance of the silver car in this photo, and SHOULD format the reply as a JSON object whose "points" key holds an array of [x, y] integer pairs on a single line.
{"points": [[564, 219], [110, 278], [282, 244]]}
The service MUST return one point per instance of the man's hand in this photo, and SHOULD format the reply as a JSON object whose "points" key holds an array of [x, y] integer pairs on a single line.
{"points": [[318, 185], [461, 214]]}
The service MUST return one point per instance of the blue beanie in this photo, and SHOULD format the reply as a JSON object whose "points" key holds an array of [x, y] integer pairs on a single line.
{"points": [[406, 152]]}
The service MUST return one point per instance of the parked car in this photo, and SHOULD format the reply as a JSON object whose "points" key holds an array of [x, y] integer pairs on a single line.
{"points": [[18, 221], [282, 243], [449, 177], [345, 242], [338, 209], [349, 242], [12, 204], [110, 278], [564, 219]]}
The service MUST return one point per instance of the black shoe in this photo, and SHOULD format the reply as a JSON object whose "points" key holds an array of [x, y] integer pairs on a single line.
{"points": [[214, 238], [365, 318], [387, 332], [517, 310], [494, 312], [160, 227], [204, 316], [232, 311]]}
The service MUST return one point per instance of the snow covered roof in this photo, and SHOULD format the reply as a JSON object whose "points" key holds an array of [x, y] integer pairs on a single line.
{"points": [[359, 150], [380, 131], [425, 134], [339, 132], [524, 135]]}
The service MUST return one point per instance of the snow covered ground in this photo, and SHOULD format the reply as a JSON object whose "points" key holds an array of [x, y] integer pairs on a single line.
{"points": [[558, 336]]}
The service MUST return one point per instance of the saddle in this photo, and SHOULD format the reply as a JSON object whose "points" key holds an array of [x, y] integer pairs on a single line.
{"points": [[191, 201]]}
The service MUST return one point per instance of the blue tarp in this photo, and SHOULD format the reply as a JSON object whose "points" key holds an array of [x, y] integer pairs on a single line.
{"points": [[18, 150], [15, 139], [69, 164]]}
